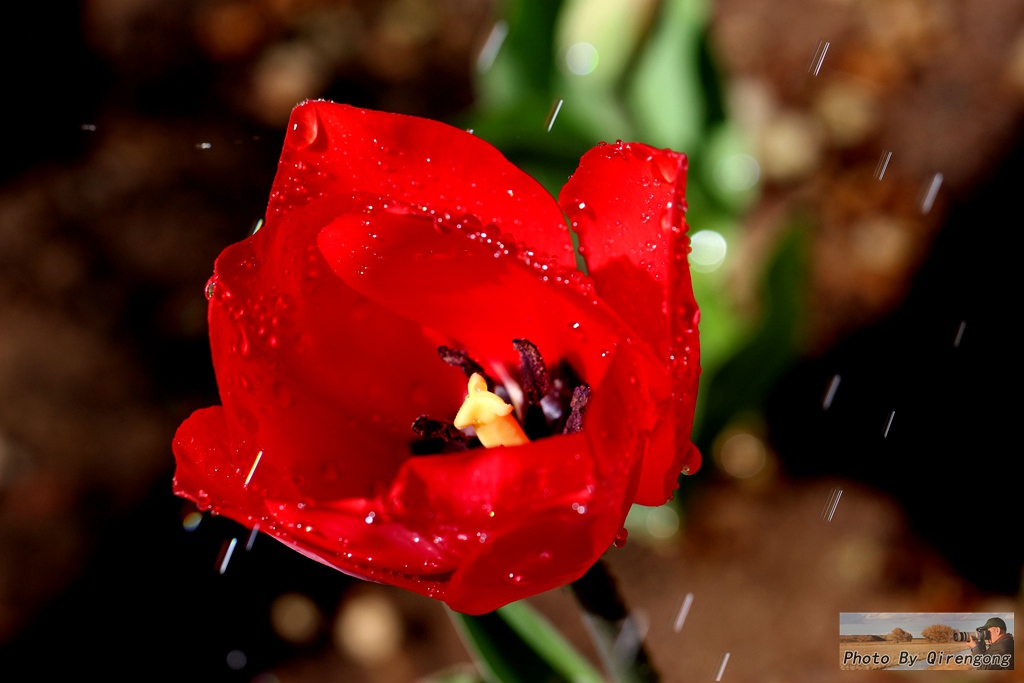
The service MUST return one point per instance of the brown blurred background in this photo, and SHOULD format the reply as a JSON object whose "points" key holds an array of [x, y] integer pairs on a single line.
{"points": [[142, 139]]}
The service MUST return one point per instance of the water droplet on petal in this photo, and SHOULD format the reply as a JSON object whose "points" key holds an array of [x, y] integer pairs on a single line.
{"points": [[667, 167], [242, 347], [211, 285], [305, 127]]}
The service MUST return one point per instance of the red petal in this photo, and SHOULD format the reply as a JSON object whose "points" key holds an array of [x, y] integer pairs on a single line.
{"points": [[534, 517], [324, 329], [627, 202], [311, 372], [356, 537], [335, 149], [203, 455], [472, 291]]}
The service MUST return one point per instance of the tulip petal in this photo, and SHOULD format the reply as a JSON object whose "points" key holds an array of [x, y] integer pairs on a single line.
{"points": [[472, 291], [204, 472], [533, 517], [357, 537], [334, 149], [627, 204], [386, 237], [310, 370]]}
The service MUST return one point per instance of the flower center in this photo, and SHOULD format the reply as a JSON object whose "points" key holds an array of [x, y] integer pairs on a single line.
{"points": [[489, 416], [549, 405]]}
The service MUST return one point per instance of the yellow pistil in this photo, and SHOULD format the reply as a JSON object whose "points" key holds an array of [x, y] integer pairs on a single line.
{"points": [[490, 416]]}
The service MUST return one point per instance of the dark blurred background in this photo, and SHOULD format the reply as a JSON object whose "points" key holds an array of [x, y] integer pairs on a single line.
{"points": [[855, 170]]}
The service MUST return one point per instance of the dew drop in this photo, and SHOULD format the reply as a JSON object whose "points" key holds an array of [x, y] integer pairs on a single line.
{"points": [[620, 538], [243, 343], [211, 285], [667, 168], [304, 129]]}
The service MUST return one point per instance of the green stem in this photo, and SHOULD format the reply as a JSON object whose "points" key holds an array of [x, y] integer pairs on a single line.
{"points": [[618, 636]]}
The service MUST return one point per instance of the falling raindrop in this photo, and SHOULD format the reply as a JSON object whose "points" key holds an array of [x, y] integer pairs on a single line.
{"points": [[888, 424], [933, 190], [556, 107], [226, 550], [491, 46], [959, 334], [883, 163], [819, 56], [252, 469], [831, 504], [830, 394], [683, 611], [721, 668]]}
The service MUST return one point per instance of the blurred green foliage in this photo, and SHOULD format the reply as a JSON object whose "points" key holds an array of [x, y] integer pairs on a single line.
{"points": [[517, 644]]}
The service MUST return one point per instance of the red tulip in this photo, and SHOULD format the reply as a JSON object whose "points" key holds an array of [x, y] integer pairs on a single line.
{"points": [[387, 237]]}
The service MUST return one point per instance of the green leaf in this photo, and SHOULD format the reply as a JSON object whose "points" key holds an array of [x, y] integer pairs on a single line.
{"points": [[743, 382], [666, 91], [516, 644], [524, 64]]}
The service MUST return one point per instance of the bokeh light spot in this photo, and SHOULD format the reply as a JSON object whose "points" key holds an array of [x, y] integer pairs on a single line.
{"points": [[369, 629], [581, 58], [192, 521], [708, 250], [737, 172], [662, 522], [743, 455], [236, 660], [295, 618]]}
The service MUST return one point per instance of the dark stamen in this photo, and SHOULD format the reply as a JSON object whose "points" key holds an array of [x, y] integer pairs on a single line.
{"points": [[534, 374], [458, 358], [430, 428], [580, 396]]}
